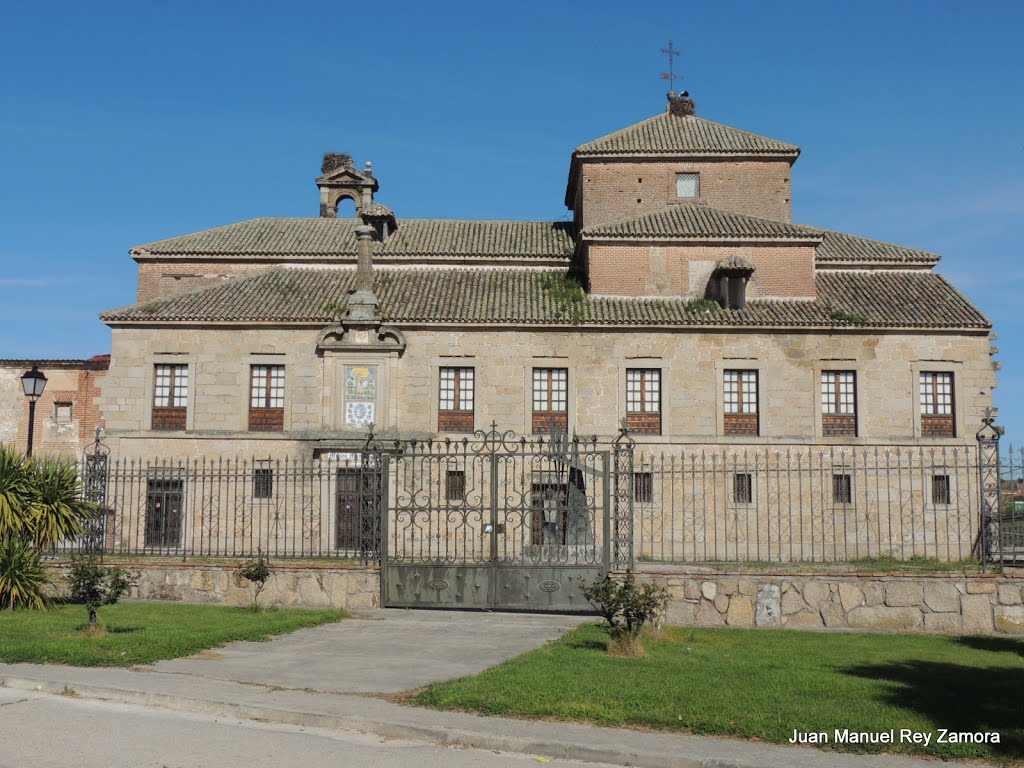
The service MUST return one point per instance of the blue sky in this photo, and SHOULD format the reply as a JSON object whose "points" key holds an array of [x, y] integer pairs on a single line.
{"points": [[123, 123]]}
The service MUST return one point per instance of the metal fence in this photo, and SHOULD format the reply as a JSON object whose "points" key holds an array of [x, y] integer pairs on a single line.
{"points": [[803, 504], [1008, 534], [754, 504], [229, 508]]}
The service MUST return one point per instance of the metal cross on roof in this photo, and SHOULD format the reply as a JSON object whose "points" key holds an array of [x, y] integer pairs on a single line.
{"points": [[671, 76]]}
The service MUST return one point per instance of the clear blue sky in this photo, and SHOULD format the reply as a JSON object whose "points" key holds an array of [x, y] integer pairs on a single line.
{"points": [[123, 123]]}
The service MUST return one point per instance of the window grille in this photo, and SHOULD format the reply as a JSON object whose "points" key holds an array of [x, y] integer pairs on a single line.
{"points": [[643, 487], [687, 185], [941, 491], [842, 488], [743, 488], [455, 485], [262, 483]]}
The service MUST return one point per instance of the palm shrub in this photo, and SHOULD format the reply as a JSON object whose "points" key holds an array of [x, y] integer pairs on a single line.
{"points": [[40, 504], [23, 577]]}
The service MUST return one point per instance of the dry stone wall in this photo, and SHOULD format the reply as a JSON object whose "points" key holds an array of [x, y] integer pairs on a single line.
{"points": [[352, 588], [943, 603]]}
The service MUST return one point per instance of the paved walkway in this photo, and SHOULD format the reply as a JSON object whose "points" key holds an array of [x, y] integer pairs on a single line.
{"points": [[382, 651], [332, 677]]}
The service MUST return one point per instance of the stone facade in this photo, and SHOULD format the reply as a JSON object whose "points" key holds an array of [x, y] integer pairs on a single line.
{"points": [[692, 365], [941, 603], [66, 415]]}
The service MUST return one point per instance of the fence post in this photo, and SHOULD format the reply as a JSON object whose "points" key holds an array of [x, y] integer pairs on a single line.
{"points": [[372, 507], [622, 512], [990, 543], [94, 490]]}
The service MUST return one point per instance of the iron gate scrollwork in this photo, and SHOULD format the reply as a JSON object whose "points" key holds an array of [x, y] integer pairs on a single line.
{"points": [[495, 521]]}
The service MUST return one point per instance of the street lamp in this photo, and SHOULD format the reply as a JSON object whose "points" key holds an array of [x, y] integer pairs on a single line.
{"points": [[33, 383]]}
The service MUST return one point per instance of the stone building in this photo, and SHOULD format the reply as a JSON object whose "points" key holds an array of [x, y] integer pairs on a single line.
{"points": [[67, 414], [681, 297]]}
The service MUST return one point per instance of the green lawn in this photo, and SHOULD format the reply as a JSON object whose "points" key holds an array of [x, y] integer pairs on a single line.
{"points": [[762, 684], [140, 633]]}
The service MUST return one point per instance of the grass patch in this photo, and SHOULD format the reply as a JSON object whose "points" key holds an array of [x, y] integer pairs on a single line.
{"points": [[140, 633], [759, 684]]}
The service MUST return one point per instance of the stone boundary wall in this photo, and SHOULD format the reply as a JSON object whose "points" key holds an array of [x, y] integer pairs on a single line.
{"points": [[352, 588], [950, 603]]}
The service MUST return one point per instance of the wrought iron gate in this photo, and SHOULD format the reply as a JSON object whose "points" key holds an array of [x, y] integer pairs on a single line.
{"points": [[498, 521]]}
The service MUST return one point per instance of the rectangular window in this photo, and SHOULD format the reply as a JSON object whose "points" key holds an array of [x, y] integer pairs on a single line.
{"points": [[266, 398], [455, 400], [165, 517], [936, 398], [842, 488], [643, 400], [63, 413], [262, 483], [743, 488], [643, 487], [170, 396], [740, 401], [455, 485], [687, 185], [839, 403], [941, 490], [550, 399]]}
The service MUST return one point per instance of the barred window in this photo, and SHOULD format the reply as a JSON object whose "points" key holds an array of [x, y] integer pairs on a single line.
{"points": [[838, 393], [941, 489], [842, 488], [643, 487], [262, 483], [643, 390], [171, 390], [267, 390], [456, 391], [455, 485], [687, 185], [550, 390], [743, 488], [936, 393], [740, 391]]}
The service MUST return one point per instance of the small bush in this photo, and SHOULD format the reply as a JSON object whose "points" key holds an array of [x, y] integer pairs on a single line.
{"points": [[92, 585], [23, 577], [257, 571], [626, 608]]}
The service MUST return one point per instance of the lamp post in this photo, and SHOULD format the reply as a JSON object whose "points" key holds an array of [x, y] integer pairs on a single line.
{"points": [[33, 383]]}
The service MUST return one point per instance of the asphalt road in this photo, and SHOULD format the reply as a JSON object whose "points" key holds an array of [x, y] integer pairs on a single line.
{"points": [[44, 731]]}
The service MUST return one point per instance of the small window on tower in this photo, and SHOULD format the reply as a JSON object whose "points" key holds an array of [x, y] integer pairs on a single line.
{"points": [[687, 185]]}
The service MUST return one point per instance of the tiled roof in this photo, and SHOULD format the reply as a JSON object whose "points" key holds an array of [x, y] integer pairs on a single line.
{"points": [[841, 248], [846, 298], [321, 238], [688, 220], [667, 134]]}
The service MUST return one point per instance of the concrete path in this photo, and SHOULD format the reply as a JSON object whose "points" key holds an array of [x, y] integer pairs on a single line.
{"points": [[383, 651]]}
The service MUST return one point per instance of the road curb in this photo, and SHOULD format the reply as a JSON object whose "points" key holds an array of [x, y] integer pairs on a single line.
{"points": [[443, 736]]}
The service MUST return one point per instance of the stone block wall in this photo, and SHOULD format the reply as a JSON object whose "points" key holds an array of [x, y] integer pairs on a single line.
{"points": [[352, 588], [941, 603]]}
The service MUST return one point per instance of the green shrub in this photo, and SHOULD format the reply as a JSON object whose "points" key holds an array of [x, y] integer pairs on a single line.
{"points": [[23, 577], [257, 571], [626, 608], [92, 585]]}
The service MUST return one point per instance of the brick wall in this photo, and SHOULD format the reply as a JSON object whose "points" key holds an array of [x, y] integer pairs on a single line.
{"points": [[68, 381], [784, 271], [617, 190], [162, 279]]}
